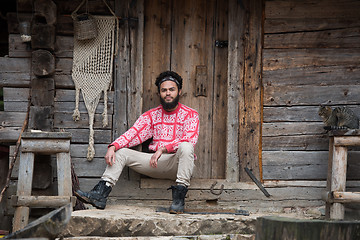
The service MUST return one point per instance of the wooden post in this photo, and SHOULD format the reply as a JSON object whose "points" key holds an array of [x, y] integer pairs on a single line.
{"points": [[235, 75], [338, 179], [329, 175], [250, 106]]}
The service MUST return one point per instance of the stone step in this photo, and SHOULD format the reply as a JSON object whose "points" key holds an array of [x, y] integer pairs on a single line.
{"points": [[135, 221], [200, 237]]}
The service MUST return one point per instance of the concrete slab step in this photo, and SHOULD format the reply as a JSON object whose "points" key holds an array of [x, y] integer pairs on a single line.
{"points": [[135, 221]]}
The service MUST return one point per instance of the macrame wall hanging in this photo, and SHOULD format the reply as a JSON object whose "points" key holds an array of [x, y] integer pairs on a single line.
{"points": [[92, 69]]}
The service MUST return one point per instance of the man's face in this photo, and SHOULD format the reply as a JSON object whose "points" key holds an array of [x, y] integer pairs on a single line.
{"points": [[169, 95]]}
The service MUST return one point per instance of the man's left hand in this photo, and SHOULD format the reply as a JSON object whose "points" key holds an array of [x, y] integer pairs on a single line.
{"points": [[155, 157]]}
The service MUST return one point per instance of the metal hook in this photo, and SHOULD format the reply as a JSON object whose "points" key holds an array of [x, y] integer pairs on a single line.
{"points": [[212, 188]]}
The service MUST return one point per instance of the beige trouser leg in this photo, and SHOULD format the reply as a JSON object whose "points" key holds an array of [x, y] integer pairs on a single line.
{"points": [[176, 166]]}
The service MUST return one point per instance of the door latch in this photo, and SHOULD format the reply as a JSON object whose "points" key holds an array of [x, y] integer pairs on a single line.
{"points": [[221, 44]]}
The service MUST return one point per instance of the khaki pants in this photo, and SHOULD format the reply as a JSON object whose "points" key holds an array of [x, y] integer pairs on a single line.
{"points": [[175, 166]]}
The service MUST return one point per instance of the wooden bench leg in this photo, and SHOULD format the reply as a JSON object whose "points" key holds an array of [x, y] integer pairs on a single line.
{"points": [[26, 167], [64, 174], [338, 180]]}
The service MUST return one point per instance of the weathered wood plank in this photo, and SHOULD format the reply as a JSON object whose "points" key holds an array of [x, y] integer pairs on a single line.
{"points": [[333, 38], [122, 63], [82, 135], [311, 95], [136, 40], [305, 9], [65, 120], [68, 6], [277, 194], [220, 93], [80, 150], [251, 92], [68, 95], [85, 168], [292, 128], [14, 71], [16, 94], [274, 59], [304, 165], [235, 76], [286, 25], [292, 158], [198, 184], [157, 48], [68, 107], [291, 114], [11, 119], [10, 134], [295, 172], [301, 142], [313, 75]]}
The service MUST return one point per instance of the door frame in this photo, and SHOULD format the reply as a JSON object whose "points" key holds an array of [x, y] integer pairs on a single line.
{"points": [[244, 113]]}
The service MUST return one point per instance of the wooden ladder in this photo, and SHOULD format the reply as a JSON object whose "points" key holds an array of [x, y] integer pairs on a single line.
{"points": [[45, 143]]}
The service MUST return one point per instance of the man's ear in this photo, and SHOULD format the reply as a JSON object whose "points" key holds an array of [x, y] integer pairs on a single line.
{"points": [[180, 92]]}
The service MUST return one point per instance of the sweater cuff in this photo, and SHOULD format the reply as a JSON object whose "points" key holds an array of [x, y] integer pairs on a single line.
{"points": [[169, 148], [115, 144]]}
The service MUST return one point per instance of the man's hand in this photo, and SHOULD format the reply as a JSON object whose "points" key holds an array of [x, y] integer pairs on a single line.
{"points": [[110, 156], [155, 157]]}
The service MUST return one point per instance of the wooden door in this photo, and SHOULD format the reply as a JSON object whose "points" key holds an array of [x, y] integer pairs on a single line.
{"points": [[181, 36]]}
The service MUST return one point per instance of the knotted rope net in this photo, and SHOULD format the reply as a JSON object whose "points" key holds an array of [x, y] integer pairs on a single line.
{"points": [[92, 72]]}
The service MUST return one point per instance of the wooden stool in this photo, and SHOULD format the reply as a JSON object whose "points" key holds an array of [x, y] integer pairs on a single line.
{"points": [[336, 196], [45, 143]]}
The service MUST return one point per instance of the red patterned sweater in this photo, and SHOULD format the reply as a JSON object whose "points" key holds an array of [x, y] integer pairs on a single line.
{"points": [[167, 129]]}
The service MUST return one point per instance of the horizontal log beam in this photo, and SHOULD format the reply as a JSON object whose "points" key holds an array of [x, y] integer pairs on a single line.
{"points": [[45, 145], [341, 197], [41, 201], [347, 141]]}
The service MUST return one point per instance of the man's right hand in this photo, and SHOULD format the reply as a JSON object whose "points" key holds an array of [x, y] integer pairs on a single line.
{"points": [[110, 156]]}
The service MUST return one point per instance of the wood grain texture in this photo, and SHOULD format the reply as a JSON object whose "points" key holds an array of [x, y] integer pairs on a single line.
{"points": [[251, 93]]}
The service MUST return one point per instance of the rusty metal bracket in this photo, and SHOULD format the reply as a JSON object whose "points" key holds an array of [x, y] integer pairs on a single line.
{"points": [[257, 182], [213, 191]]}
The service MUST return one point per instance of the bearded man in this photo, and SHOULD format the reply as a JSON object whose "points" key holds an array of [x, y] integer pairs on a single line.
{"points": [[174, 129]]}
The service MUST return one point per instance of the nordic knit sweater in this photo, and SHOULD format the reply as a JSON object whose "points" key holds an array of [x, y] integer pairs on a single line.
{"points": [[167, 129]]}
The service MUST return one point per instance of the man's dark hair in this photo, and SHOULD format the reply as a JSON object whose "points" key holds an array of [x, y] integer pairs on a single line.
{"points": [[169, 74]]}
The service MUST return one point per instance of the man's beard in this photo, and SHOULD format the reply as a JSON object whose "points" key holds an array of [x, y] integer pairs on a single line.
{"points": [[170, 105]]}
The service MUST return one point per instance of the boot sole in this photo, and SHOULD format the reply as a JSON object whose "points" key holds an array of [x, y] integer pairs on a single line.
{"points": [[176, 212], [94, 203]]}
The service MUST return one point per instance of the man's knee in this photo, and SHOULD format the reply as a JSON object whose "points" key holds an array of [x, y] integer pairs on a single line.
{"points": [[121, 152], [186, 148]]}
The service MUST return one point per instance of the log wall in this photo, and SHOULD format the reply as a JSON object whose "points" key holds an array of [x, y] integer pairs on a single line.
{"points": [[311, 56]]}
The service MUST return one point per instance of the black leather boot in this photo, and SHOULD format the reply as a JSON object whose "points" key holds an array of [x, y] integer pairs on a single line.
{"points": [[178, 196], [97, 196]]}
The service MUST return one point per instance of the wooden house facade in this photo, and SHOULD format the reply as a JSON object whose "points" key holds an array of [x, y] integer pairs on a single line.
{"points": [[255, 70]]}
